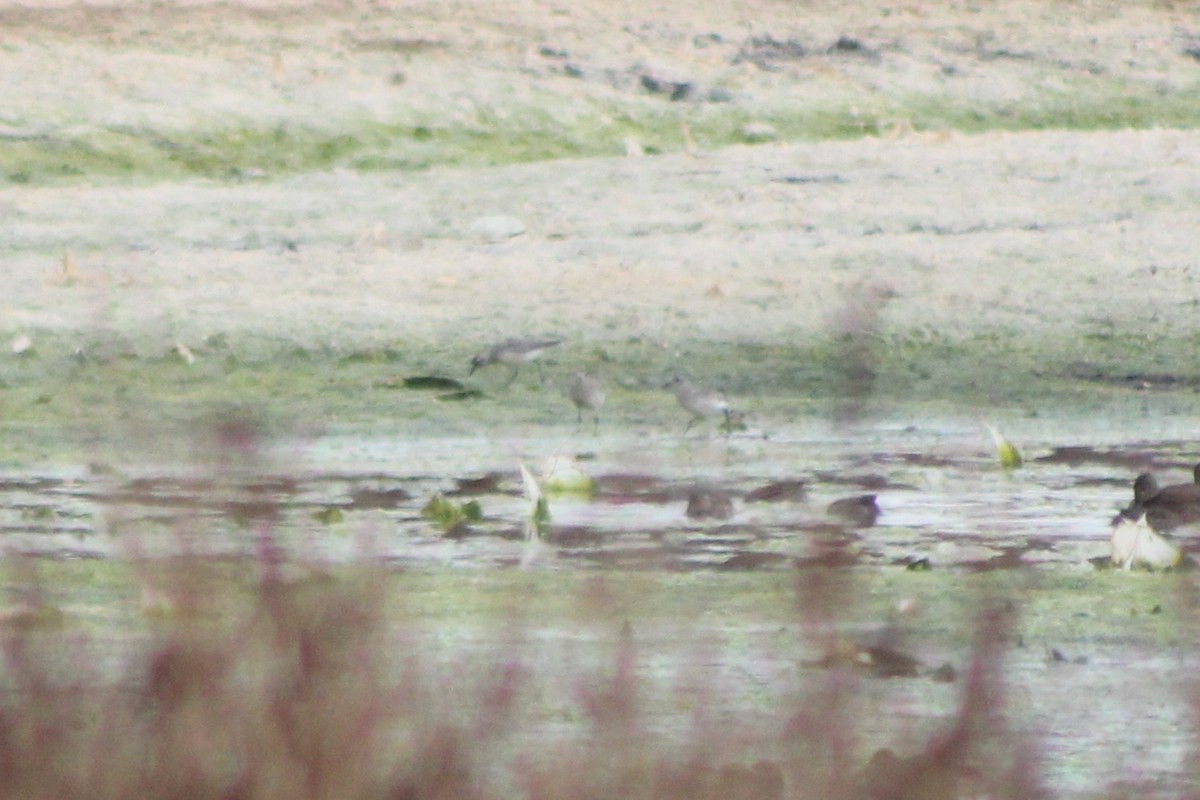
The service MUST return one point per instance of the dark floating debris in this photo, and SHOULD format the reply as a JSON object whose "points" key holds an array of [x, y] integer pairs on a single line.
{"points": [[779, 491], [619, 488], [872, 482], [247, 512], [861, 511], [466, 394], [378, 498], [434, 382], [751, 560], [709, 504], [877, 661], [627, 482], [946, 673], [1075, 455], [1057, 656], [1139, 381], [801, 179], [486, 484], [576, 536]]}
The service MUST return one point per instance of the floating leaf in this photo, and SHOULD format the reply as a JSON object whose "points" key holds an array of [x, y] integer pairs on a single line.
{"points": [[329, 515], [1008, 455], [472, 511], [441, 512], [560, 475], [450, 517]]}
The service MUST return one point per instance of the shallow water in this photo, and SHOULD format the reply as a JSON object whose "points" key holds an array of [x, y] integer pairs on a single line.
{"points": [[944, 506], [942, 498]]}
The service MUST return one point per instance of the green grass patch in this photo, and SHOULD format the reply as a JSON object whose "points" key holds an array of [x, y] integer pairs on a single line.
{"points": [[505, 136], [53, 403]]}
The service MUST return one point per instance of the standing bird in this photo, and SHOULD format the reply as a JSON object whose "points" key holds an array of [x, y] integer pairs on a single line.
{"points": [[587, 392], [513, 352], [698, 401]]}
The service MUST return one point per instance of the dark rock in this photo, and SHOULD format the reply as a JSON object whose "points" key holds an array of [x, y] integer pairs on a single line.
{"points": [[676, 90]]}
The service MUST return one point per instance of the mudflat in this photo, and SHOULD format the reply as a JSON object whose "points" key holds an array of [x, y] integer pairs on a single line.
{"points": [[982, 200]]}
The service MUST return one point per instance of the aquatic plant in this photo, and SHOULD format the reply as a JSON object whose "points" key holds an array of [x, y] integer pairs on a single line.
{"points": [[1007, 454]]}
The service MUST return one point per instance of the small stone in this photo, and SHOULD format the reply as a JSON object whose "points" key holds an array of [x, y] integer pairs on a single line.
{"points": [[22, 345], [759, 132], [662, 79], [497, 228]]}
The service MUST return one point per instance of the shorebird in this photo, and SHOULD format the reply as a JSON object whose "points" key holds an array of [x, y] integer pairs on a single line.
{"points": [[1141, 531], [1165, 508], [698, 401], [513, 353], [587, 392], [860, 511]]}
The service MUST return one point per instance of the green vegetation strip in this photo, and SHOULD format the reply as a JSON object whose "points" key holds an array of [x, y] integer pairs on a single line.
{"points": [[532, 134], [52, 400], [1050, 609]]}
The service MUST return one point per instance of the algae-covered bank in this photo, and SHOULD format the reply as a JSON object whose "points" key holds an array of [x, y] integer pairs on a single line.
{"points": [[252, 489]]}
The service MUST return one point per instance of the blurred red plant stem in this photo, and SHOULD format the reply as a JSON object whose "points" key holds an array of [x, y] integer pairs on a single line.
{"points": [[819, 738], [1187, 599]]}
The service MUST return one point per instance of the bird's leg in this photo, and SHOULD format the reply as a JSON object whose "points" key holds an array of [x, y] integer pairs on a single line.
{"points": [[728, 424], [691, 422], [513, 377]]}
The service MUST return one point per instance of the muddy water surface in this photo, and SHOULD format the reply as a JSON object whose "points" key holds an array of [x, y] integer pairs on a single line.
{"points": [[713, 530], [660, 501]]}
